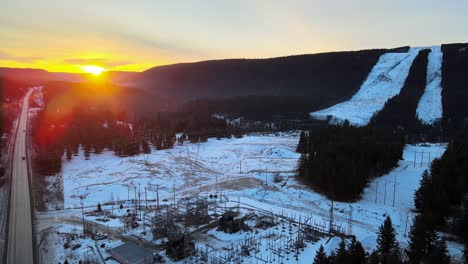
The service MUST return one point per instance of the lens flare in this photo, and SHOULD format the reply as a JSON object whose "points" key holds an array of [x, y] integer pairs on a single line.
{"points": [[93, 69]]}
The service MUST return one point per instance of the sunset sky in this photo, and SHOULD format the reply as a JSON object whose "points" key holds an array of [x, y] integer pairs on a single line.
{"points": [[63, 35]]}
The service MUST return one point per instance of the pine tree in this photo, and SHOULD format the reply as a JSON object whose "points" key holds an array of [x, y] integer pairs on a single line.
{"points": [[68, 152], [321, 256], [464, 220], [301, 146], [145, 147], [416, 248], [357, 253], [374, 258], [341, 253], [99, 209], [465, 254], [121, 206], [423, 194], [422, 239], [440, 253], [386, 241], [87, 151]]}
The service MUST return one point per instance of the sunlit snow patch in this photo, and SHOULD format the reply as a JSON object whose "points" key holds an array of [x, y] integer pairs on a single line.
{"points": [[430, 105], [384, 81]]}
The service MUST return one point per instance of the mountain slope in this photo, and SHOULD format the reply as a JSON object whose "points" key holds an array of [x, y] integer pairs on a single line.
{"points": [[430, 106], [384, 82], [333, 76], [40, 77]]}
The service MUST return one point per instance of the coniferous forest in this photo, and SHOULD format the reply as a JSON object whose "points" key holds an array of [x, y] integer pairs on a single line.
{"points": [[61, 130], [339, 160]]}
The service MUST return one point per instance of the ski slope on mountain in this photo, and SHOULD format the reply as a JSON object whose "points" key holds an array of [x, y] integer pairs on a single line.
{"points": [[430, 105], [385, 81]]}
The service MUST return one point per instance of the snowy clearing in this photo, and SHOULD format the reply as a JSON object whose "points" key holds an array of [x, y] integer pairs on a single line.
{"points": [[106, 178], [243, 171], [430, 105], [385, 81], [67, 242]]}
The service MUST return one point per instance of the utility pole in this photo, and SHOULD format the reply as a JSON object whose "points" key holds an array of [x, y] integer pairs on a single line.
{"points": [[82, 217], [422, 156], [376, 189], [350, 220], [406, 224], [385, 193], [240, 167], [146, 199], [157, 195], [331, 216], [414, 165], [260, 169], [394, 189], [139, 200], [216, 186], [174, 197], [136, 202]]}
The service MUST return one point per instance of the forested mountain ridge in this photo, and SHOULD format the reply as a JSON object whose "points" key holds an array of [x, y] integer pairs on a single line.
{"points": [[330, 76]]}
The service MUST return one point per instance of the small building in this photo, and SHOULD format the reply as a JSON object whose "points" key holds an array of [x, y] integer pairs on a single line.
{"points": [[179, 246], [131, 253], [230, 223]]}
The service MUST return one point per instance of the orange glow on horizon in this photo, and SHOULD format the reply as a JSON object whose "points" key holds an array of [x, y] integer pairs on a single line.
{"points": [[93, 69]]}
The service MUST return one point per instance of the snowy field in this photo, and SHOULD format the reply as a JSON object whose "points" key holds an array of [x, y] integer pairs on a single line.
{"points": [[67, 242], [384, 81], [243, 170], [188, 168], [430, 105]]}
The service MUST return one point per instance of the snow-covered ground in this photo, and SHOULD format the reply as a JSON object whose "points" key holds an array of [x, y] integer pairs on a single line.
{"points": [[384, 81], [430, 105], [188, 168], [239, 168], [67, 242]]}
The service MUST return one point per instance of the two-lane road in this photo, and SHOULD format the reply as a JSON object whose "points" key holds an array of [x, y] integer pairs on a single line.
{"points": [[20, 234]]}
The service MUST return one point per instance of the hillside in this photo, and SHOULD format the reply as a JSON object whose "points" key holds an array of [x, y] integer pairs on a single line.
{"points": [[331, 76], [40, 76]]}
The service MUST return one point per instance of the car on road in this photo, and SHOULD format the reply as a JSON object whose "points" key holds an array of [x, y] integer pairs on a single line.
{"points": [[99, 236]]}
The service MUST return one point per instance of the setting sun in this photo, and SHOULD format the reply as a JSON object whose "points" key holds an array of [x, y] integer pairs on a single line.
{"points": [[93, 69]]}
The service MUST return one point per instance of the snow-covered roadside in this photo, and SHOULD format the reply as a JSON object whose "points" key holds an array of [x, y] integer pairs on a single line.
{"points": [[67, 242], [385, 81], [430, 105]]}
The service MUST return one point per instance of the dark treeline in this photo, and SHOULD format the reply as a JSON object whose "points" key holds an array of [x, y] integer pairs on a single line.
{"points": [[454, 87], [425, 246], [71, 121], [333, 77], [338, 161], [262, 108], [11, 93], [442, 197], [400, 111]]}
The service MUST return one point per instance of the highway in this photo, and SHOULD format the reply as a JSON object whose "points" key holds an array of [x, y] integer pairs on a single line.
{"points": [[20, 234]]}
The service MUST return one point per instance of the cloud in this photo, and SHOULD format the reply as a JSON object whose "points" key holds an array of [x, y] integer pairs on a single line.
{"points": [[23, 59], [98, 61]]}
